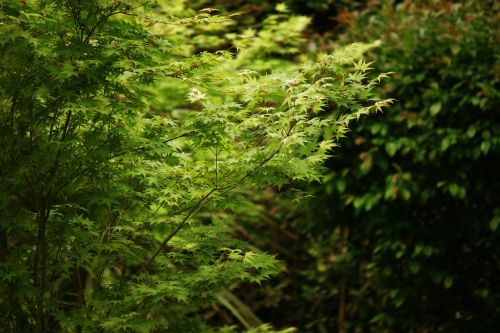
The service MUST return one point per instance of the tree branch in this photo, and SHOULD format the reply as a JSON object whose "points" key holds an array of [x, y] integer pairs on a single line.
{"points": [[193, 211]]}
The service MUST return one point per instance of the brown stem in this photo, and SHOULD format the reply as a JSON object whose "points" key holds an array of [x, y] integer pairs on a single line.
{"points": [[343, 287], [101, 20], [3, 244], [40, 269], [341, 314], [14, 100]]}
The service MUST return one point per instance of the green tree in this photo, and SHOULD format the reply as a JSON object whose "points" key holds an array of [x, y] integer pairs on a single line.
{"points": [[126, 152]]}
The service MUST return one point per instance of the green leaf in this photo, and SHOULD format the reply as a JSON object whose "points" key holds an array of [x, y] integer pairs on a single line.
{"points": [[494, 223], [414, 267], [435, 108], [391, 148], [485, 146], [448, 282]]}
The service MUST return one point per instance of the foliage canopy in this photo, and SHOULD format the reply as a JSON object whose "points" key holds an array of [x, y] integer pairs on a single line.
{"points": [[127, 150]]}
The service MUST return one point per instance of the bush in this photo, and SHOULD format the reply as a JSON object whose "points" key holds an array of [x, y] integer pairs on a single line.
{"points": [[415, 192], [403, 235]]}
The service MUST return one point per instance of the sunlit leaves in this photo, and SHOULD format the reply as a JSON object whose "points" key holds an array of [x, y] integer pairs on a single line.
{"points": [[125, 148]]}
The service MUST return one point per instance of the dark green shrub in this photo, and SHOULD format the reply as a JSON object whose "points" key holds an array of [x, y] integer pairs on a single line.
{"points": [[414, 195], [403, 235]]}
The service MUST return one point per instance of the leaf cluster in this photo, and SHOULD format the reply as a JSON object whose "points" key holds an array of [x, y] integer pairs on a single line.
{"points": [[127, 152]]}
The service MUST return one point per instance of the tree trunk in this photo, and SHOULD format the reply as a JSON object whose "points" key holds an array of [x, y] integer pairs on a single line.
{"points": [[40, 270], [341, 314]]}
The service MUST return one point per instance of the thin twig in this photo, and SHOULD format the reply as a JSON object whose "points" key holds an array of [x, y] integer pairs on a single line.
{"points": [[193, 211]]}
